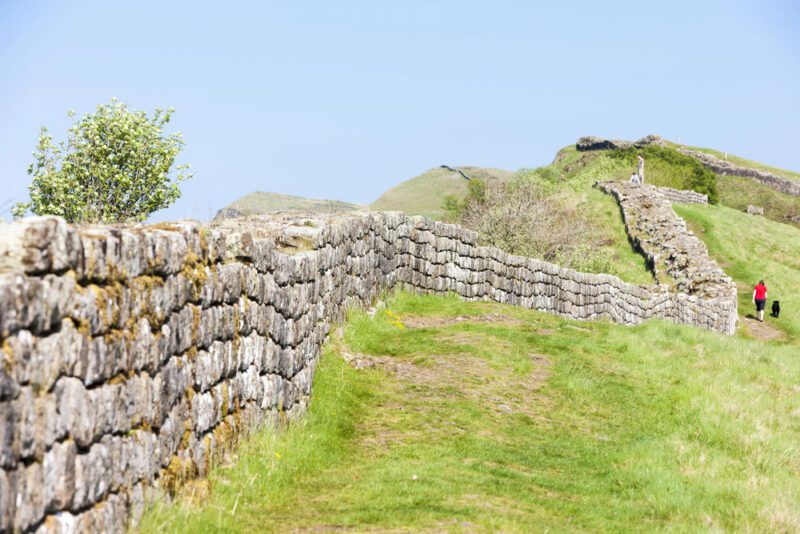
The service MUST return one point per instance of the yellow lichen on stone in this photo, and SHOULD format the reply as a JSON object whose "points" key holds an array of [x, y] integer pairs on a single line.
{"points": [[196, 316], [187, 434], [224, 398], [236, 341], [195, 271], [174, 475], [8, 357]]}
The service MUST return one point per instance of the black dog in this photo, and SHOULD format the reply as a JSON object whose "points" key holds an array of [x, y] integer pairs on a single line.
{"points": [[776, 308]]}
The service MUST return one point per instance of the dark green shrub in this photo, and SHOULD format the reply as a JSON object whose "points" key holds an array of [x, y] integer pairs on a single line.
{"points": [[667, 167]]}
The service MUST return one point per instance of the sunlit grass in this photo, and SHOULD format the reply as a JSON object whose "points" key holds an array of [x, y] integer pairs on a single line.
{"points": [[751, 248], [488, 417]]}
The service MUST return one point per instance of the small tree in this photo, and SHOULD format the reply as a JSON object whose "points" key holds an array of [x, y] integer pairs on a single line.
{"points": [[117, 165]]}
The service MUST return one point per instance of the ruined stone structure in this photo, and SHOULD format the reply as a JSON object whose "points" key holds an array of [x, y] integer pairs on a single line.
{"points": [[133, 356], [726, 168], [682, 196]]}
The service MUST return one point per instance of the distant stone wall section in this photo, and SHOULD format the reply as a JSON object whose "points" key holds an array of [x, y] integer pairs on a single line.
{"points": [[726, 168], [682, 196], [133, 357], [715, 164], [456, 170]]}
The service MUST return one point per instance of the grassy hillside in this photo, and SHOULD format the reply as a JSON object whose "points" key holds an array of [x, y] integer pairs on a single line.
{"points": [[792, 175], [425, 194], [263, 202], [750, 248], [480, 417], [579, 169], [737, 192]]}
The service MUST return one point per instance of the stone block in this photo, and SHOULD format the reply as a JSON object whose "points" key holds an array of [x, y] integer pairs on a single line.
{"points": [[75, 410], [92, 476], [8, 494], [59, 476], [30, 503]]}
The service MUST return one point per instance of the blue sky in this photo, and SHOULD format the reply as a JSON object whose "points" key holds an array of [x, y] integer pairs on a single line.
{"points": [[345, 99]]}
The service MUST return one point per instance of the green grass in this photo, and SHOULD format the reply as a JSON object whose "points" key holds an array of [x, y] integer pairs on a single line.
{"points": [[607, 224], [737, 193], [482, 417], [750, 248], [425, 194], [580, 169], [260, 202]]}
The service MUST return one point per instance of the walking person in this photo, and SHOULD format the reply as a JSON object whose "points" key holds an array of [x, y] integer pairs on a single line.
{"points": [[641, 169], [760, 299]]}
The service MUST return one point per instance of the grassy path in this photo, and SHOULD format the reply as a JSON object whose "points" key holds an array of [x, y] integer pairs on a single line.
{"points": [[440, 415], [750, 248]]}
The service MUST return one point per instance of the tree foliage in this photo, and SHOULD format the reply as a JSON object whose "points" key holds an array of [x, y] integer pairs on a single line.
{"points": [[116, 165]]}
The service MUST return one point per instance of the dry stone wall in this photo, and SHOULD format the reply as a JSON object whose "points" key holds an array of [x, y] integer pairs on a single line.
{"points": [[715, 164], [676, 255], [726, 168], [134, 356], [682, 196]]}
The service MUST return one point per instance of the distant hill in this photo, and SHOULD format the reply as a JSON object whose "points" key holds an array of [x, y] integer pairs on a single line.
{"points": [[260, 202], [425, 194]]}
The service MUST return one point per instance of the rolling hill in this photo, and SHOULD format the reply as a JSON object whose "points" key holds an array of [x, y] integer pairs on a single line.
{"points": [[260, 202], [425, 194]]}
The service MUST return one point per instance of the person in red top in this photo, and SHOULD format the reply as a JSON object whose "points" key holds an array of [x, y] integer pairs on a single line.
{"points": [[760, 299]]}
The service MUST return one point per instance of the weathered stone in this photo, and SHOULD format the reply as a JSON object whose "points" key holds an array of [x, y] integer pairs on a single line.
{"points": [[754, 210], [111, 408], [59, 476], [37, 245], [25, 424], [8, 451], [92, 476], [8, 494], [49, 426], [30, 497], [76, 410]]}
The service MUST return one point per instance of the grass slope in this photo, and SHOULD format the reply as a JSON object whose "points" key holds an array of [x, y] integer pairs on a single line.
{"points": [[262, 202], [737, 193], [482, 417], [750, 248], [425, 194], [792, 175]]}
